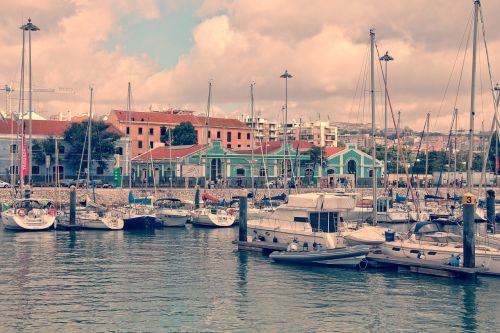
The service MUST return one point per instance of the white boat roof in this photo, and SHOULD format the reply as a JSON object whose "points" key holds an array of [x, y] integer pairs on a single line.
{"points": [[321, 201]]}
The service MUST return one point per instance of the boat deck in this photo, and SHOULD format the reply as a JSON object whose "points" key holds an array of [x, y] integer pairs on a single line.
{"points": [[264, 247]]}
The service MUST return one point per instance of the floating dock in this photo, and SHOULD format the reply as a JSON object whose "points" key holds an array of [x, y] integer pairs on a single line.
{"points": [[376, 260], [264, 247]]}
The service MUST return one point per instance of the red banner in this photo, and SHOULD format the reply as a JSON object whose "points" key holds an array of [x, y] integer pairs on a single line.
{"points": [[25, 161]]}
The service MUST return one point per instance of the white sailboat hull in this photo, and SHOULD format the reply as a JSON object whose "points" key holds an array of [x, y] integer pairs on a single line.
{"points": [[205, 217], [172, 217], [35, 220]]}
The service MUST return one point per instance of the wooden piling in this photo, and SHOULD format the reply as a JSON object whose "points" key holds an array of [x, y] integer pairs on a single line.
{"points": [[490, 209], [72, 206], [243, 218], [197, 197], [468, 206]]}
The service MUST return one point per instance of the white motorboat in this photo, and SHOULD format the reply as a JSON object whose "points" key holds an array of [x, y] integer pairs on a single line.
{"points": [[170, 212], [349, 257], [213, 217], [307, 219], [368, 235], [29, 215], [428, 241]]}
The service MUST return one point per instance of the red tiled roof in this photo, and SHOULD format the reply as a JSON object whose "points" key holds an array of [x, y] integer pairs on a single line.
{"points": [[44, 127], [169, 118], [164, 152], [301, 144], [329, 151]]}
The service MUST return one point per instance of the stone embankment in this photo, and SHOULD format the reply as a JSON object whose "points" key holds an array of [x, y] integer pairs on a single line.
{"points": [[116, 197]]}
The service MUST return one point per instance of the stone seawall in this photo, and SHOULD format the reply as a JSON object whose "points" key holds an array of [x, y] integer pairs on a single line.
{"points": [[117, 197]]}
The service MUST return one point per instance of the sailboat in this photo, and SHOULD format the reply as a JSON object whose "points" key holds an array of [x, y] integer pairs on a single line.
{"points": [[92, 215], [27, 214], [170, 212], [211, 215]]}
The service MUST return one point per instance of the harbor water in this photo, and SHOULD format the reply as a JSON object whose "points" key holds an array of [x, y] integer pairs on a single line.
{"points": [[193, 280]]}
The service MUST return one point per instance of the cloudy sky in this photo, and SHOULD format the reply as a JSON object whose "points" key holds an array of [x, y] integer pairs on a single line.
{"points": [[170, 49]]}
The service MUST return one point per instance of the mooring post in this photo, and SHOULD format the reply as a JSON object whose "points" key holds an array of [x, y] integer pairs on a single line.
{"points": [[243, 218], [490, 209], [72, 205], [197, 197], [469, 205]]}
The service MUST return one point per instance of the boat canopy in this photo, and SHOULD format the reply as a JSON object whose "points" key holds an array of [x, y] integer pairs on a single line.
{"points": [[320, 201]]}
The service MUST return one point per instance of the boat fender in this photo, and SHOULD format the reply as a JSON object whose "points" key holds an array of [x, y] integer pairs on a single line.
{"points": [[305, 246], [230, 211], [53, 212], [315, 245], [420, 255], [262, 238], [21, 212], [363, 264], [275, 239]]}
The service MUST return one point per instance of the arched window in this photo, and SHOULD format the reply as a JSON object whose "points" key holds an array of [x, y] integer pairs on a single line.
{"points": [[330, 171], [240, 172], [262, 171], [370, 173]]}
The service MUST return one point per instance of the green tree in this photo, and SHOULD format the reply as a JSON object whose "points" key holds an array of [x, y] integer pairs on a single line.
{"points": [[103, 143], [317, 156], [184, 134], [44, 147]]}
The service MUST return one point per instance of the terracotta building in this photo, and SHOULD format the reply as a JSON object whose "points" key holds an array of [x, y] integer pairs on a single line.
{"points": [[146, 128]]}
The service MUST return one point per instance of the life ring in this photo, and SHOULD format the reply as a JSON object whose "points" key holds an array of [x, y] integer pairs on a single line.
{"points": [[230, 211], [53, 212], [21, 212]]}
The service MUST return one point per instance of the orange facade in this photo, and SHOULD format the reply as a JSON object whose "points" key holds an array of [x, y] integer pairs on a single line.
{"points": [[145, 129]]}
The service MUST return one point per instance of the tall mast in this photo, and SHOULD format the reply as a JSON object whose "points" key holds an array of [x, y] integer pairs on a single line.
{"points": [[253, 132], [427, 149], [372, 91], [21, 114], [207, 118], [129, 146], [455, 148], [286, 76], [89, 147], [472, 97], [397, 152], [497, 89]]}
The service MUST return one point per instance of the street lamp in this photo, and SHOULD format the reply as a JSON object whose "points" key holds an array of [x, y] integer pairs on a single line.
{"points": [[286, 76], [386, 58], [29, 27]]}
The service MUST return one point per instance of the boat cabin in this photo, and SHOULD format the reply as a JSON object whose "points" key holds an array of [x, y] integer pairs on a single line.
{"points": [[433, 232]]}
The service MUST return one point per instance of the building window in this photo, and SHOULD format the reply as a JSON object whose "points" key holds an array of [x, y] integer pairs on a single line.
{"points": [[119, 150], [35, 170], [139, 144], [127, 130], [13, 149], [228, 136], [151, 144], [14, 169], [99, 170], [248, 136], [262, 171], [139, 130], [239, 135], [239, 146], [228, 145], [209, 134], [218, 134], [151, 131], [163, 130], [240, 172], [370, 173], [60, 148], [133, 119]]}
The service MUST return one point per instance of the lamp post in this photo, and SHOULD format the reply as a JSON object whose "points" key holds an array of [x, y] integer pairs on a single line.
{"points": [[386, 58], [285, 76], [29, 27]]}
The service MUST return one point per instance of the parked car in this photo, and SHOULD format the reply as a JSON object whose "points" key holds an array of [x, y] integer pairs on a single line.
{"points": [[108, 185], [4, 184]]}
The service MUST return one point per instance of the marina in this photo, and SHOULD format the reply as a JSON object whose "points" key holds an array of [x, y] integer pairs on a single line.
{"points": [[224, 211]]}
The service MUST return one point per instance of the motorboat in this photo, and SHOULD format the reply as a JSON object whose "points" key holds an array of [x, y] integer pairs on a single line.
{"points": [[339, 257], [170, 212], [367, 235], [29, 215], [428, 241], [307, 219]]}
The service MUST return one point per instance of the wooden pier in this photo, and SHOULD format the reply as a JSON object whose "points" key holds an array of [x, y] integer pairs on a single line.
{"points": [[422, 266]]}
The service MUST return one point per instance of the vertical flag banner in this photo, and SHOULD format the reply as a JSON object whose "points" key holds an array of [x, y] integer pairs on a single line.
{"points": [[24, 159]]}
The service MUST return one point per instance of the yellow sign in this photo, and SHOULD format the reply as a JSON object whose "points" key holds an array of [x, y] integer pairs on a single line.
{"points": [[469, 199]]}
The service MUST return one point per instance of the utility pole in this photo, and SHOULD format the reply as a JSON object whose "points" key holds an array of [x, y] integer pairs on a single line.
{"points": [[30, 27]]}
